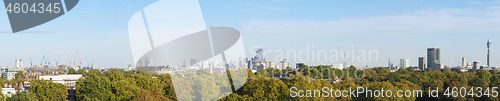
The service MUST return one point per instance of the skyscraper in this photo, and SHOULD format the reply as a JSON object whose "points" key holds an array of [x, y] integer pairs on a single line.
{"points": [[404, 63], [260, 55], [433, 56], [421, 63], [389, 63], [19, 63], [476, 65], [464, 62], [488, 57]]}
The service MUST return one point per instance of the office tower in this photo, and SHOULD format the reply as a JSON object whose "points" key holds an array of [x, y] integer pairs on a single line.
{"points": [[260, 56], [389, 63], [433, 61], [488, 57], [464, 62], [19, 63], [476, 65], [421, 63], [403, 63]]}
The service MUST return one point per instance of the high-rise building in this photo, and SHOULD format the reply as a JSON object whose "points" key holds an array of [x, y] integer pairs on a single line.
{"points": [[488, 57], [433, 61], [421, 63], [404, 63], [260, 55], [270, 64], [298, 65], [283, 64], [19, 63], [389, 64], [476, 65], [464, 62]]}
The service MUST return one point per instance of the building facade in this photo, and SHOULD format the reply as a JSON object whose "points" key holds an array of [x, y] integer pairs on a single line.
{"points": [[421, 63], [283, 64], [433, 58], [19, 64], [9, 74], [404, 63]]}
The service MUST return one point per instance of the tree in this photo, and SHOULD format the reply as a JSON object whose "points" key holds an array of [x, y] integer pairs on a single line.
{"points": [[485, 75], [266, 89], [46, 90], [95, 87], [123, 88], [72, 71], [168, 86], [83, 72], [235, 97], [20, 96], [19, 74], [150, 95]]}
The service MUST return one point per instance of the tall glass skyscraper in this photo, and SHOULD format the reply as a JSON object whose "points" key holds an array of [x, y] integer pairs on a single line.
{"points": [[433, 61]]}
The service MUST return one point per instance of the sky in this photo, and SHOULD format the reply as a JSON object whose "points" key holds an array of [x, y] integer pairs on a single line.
{"points": [[395, 29]]}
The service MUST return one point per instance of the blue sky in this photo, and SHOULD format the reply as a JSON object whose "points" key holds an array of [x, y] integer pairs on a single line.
{"points": [[395, 28]]}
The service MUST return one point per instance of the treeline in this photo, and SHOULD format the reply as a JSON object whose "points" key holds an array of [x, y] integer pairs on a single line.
{"points": [[264, 87], [129, 85]]}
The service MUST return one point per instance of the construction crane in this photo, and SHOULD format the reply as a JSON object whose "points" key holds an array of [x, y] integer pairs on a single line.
{"points": [[74, 61], [41, 61], [87, 60], [31, 62], [56, 60], [69, 60]]}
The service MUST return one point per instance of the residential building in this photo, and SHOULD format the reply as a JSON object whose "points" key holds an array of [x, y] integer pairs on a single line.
{"points": [[283, 64], [9, 74]]}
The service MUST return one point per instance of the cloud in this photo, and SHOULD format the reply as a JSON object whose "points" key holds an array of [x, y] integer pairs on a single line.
{"points": [[441, 21]]}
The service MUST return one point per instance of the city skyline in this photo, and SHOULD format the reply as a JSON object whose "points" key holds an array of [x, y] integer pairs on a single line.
{"points": [[396, 29]]}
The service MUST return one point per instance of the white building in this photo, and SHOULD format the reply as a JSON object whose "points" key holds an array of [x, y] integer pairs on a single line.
{"points": [[69, 80], [9, 74], [19, 64], [283, 64], [404, 63], [270, 64], [338, 66], [8, 91]]}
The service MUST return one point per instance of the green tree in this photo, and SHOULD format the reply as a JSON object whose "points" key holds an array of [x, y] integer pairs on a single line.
{"points": [[94, 87], [122, 88], [72, 71], [485, 75], [83, 72], [19, 74], [266, 89], [46, 90], [20, 96], [168, 86], [150, 95]]}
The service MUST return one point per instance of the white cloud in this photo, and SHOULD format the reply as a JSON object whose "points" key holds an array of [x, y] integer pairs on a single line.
{"points": [[441, 21]]}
